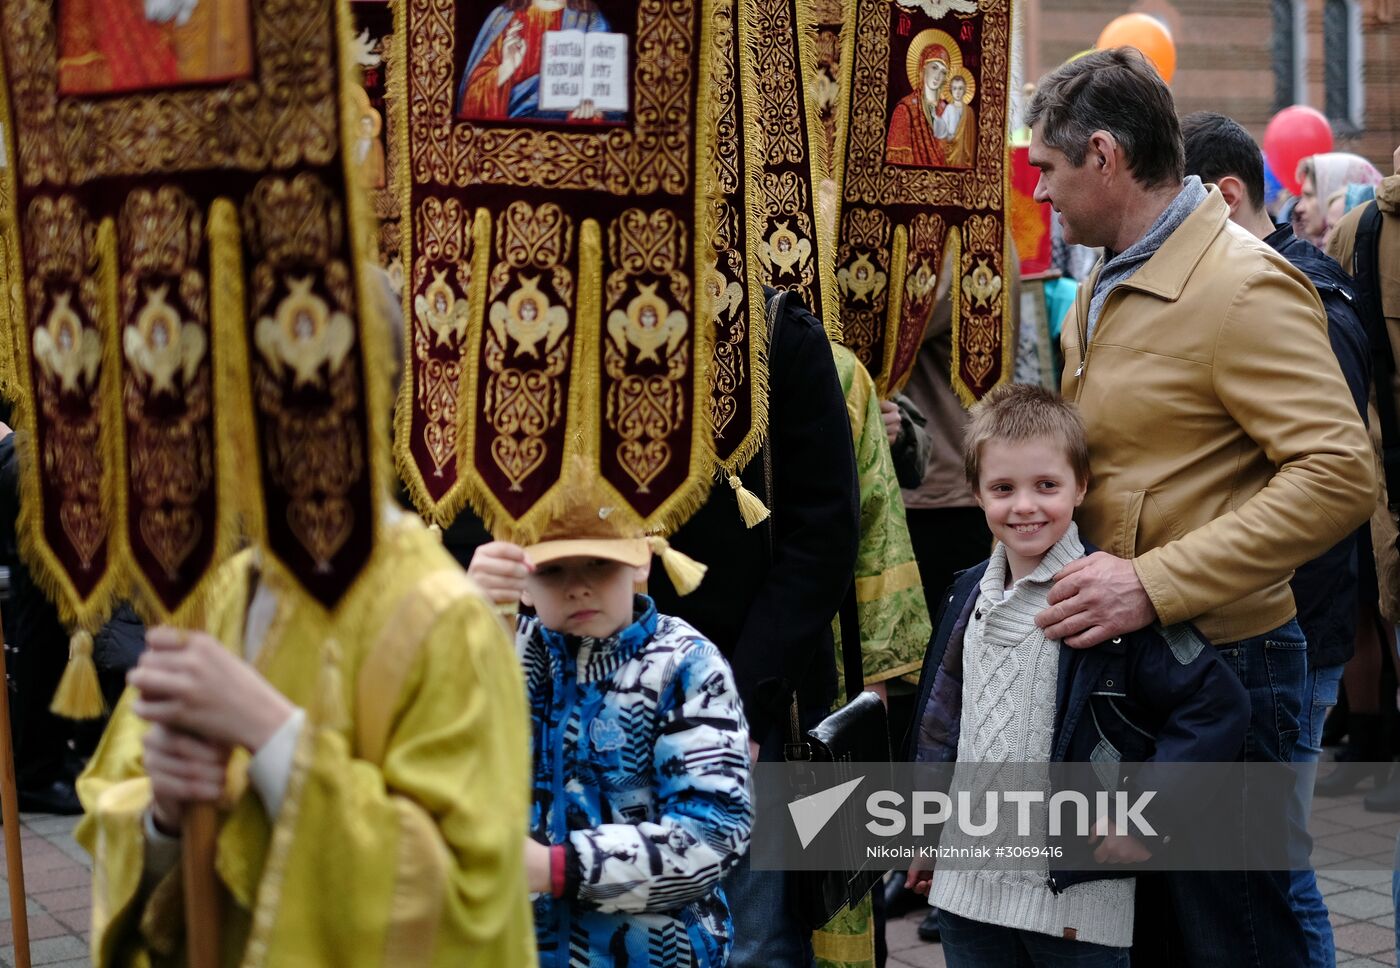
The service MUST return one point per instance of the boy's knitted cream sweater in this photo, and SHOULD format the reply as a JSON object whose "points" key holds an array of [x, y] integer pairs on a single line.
{"points": [[1008, 716]]}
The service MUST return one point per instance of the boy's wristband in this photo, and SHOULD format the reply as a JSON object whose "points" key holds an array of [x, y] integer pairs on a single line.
{"points": [[556, 870]]}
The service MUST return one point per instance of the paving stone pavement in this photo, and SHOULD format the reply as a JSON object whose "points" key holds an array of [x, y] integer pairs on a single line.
{"points": [[57, 878], [1358, 900]]}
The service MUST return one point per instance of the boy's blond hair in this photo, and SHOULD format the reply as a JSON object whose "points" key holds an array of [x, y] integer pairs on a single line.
{"points": [[1019, 412]]}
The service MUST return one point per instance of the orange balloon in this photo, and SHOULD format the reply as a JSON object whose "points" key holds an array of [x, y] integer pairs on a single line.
{"points": [[1147, 34]]}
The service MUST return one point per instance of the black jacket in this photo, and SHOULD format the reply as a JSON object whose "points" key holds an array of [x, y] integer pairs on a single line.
{"points": [[1141, 698], [772, 618], [1325, 589]]}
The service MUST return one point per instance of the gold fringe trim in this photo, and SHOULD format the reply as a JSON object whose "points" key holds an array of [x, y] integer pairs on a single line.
{"points": [[751, 508], [8, 388], [953, 252], [684, 571], [239, 491], [894, 314], [12, 314], [845, 95], [754, 141], [900, 578], [818, 167], [79, 696]]}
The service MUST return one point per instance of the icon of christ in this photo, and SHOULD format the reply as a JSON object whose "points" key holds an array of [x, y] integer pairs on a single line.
{"points": [[502, 76]]}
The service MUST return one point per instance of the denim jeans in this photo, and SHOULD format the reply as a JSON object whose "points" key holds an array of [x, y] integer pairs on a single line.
{"points": [[1319, 695], [975, 944], [766, 934], [1245, 918]]}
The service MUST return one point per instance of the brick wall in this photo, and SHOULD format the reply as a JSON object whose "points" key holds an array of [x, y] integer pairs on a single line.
{"points": [[1224, 58]]}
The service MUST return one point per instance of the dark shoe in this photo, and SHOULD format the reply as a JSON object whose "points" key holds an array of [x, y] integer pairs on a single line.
{"points": [[58, 798], [1366, 756], [1386, 799], [1346, 776], [928, 927]]}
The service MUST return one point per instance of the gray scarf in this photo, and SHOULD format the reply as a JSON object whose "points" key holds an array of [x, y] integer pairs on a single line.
{"points": [[1121, 267]]}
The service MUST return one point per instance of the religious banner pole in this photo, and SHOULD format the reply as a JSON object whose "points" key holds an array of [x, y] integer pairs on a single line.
{"points": [[9, 811], [199, 836]]}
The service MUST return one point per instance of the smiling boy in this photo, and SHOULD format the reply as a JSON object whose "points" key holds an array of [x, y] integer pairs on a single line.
{"points": [[995, 689], [641, 757]]}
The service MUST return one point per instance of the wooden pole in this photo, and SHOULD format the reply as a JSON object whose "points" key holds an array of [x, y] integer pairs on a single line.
{"points": [[200, 835], [9, 812]]}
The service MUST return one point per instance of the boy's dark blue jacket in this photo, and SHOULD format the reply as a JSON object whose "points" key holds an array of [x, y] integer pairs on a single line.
{"points": [[1159, 695]]}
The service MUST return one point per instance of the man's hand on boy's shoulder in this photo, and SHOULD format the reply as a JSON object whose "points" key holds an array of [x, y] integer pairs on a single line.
{"points": [[1095, 599], [500, 568]]}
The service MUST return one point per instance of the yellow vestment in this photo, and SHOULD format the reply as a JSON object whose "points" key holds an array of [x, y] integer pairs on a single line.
{"points": [[399, 841]]}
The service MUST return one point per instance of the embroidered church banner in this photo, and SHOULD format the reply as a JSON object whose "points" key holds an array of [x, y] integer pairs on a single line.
{"points": [[560, 189], [181, 266], [738, 381], [921, 153], [779, 44]]}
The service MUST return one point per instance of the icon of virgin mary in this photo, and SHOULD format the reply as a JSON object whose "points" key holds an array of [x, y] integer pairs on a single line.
{"points": [[502, 76], [921, 124]]}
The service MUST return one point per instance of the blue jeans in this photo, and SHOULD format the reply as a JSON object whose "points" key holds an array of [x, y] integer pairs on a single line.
{"points": [[1245, 918], [1319, 695], [975, 944], [766, 934]]}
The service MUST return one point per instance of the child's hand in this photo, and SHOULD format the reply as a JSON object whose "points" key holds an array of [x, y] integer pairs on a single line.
{"points": [[919, 879], [190, 683], [500, 568], [537, 880], [183, 769], [1116, 848]]}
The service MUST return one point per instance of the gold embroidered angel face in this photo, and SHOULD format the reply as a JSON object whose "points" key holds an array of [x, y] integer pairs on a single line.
{"points": [[921, 281], [529, 318], [64, 349], [647, 324], [441, 311], [861, 279], [724, 295], [784, 250], [303, 335], [982, 285], [159, 345]]}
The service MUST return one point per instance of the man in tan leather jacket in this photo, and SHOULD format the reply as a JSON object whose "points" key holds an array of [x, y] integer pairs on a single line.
{"points": [[1225, 447]]}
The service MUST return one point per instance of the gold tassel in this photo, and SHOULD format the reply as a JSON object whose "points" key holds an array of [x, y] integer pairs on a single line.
{"points": [[751, 508], [684, 571], [78, 695]]}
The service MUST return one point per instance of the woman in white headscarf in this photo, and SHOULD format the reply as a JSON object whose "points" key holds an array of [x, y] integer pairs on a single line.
{"points": [[1321, 176]]}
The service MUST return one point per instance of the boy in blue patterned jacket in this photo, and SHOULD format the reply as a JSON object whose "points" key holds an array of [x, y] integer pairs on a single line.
{"points": [[641, 755]]}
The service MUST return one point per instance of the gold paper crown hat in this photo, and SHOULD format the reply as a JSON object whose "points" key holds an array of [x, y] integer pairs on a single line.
{"points": [[187, 331]]}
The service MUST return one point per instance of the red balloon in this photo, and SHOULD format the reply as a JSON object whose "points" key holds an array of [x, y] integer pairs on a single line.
{"points": [[1294, 134]]}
